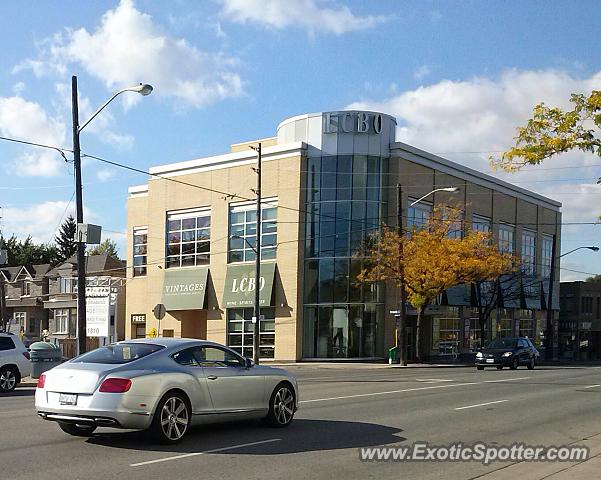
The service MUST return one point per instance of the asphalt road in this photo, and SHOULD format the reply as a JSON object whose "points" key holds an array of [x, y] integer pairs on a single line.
{"points": [[343, 408]]}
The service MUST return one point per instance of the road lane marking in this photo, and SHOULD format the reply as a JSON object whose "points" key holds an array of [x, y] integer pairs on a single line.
{"points": [[592, 386], [417, 389], [434, 380], [215, 450], [481, 404]]}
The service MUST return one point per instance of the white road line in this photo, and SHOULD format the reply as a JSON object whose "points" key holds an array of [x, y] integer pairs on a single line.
{"points": [[592, 386], [417, 389], [481, 404], [215, 450], [434, 380]]}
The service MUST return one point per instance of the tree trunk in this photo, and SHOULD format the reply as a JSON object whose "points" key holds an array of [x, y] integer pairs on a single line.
{"points": [[418, 332], [482, 321]]}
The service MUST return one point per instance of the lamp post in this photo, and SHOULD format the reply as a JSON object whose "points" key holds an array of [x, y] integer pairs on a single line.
{"points": [[142, 89], [400, 340], [594, 249]]}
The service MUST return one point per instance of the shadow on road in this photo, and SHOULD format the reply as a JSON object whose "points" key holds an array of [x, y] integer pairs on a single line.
{"points": [[19, 392], [301, 436]]}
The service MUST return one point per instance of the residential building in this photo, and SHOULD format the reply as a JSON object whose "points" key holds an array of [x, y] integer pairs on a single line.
{"points": [[328, 181], [580, 320]]}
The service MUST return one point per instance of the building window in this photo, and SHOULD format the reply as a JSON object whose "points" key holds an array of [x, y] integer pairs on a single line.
{"points": [[26, 290], [526, 323], [480, 224], [19, 319], [33, 328], [61, 319], [240, 331], [506, 238], [67, 285], [243, 231], [140, 250], [529, 252], [587, 305], [456, 228], [547, 255], [418, 215], [188, 238], [446, 339], [505, 325]]}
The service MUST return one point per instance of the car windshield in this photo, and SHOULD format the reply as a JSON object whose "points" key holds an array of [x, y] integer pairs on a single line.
{"points": [[503, 343], [119, 353]]}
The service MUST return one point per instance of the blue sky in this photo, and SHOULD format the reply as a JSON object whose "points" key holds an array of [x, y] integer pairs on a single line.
{"points": [[459, 76]]}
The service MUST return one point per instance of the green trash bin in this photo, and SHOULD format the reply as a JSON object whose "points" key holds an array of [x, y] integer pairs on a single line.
{"points": [[392, 355], [43, 356]]}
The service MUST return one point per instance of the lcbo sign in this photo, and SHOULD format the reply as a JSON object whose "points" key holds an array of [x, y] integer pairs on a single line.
{"points": [[246, 285], [352, 122]]}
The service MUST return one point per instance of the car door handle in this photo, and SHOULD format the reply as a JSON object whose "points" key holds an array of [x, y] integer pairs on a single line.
{"points": [[212, 377]]}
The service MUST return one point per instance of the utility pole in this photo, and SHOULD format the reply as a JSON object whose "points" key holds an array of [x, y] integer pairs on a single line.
{"points": [[550, 336], [401, 344], [257, 309], [81, 246]]}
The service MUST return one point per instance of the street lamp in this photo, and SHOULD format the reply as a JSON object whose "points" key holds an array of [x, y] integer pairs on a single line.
{"points": [[142, 89], [594, 249], [445, 189]]}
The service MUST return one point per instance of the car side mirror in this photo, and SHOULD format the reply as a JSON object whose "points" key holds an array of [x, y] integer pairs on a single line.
{"points": [[248, 362]]}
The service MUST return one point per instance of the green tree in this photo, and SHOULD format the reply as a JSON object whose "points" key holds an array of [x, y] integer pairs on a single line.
{"points": [[595, 279], [65, 240], [26, 252], [552, 130], [108, 247]]}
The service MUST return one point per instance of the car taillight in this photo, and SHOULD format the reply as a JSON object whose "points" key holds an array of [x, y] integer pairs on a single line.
{"points": [[26, 355], [42, 381], [115, 385]]}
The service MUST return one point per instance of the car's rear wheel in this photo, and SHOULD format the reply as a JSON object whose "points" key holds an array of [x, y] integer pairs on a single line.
{"points": [[480, 367], [531, 363], [514, 364], [281, 406], [9, 377], [499, 367], [171, 419], [77, 430]]}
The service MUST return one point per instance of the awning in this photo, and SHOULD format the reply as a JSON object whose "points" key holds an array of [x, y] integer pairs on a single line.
{"points": [[511, 291], [545, 295], [239, 288], [459, 296], [185, 289], [532, 295]]}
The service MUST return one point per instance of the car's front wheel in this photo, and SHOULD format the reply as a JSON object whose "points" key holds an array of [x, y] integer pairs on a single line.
{"points": [[480, 367], [531, 363], [77, 430], [171, 419], [514, 364], [9, 377], [499, 367], [281, 406]]}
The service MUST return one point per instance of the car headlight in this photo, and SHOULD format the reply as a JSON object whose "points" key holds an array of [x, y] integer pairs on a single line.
{"points": [[479, 355], [508, 354]]}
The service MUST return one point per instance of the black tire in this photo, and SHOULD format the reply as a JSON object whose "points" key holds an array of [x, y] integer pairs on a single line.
{"points": [[77, 430], [514, 364], [531, 363], [499, 367], [281, 406], [171, 419], [9, 378], [480, 367]]}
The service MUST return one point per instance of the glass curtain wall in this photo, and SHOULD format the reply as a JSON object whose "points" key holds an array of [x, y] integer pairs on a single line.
{"points": [[343, 318]]}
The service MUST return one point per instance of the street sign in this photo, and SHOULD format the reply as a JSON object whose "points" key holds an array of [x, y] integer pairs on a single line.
{"points": [[98, 311], [159, 311], [153, 333], [395, 312]]}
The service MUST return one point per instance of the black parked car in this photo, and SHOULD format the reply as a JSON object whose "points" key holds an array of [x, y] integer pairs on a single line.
{"points": [[507, 352]]}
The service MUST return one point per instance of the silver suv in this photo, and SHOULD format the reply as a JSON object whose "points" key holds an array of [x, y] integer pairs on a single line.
{"points": [[14, 362]]}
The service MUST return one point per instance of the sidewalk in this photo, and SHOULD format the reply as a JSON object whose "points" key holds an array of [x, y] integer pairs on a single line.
{"points": [[588, 469]]}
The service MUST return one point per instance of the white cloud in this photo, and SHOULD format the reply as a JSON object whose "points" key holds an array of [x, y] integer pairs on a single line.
{"points": [[421, 72], [40, 221], [25, 120], [105, 174], [129, 47], [298, 13]]}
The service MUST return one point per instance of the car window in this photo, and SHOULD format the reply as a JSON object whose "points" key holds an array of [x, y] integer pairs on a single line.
{"points": [[186, 357], [6, 343], [217, 357], [502, 343], [118, 353], [529, 343], [521, 343]]}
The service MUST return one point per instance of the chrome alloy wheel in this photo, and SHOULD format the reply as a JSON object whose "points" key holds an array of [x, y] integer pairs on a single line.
{"points": [[283, 406], [8, 380], [174, 418]]}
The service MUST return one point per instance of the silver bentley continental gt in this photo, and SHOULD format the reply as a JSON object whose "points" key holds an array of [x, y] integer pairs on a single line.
{"points": [[164, 385]]}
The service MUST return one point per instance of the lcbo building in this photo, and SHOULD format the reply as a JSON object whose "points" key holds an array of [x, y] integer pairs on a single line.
{"points": [[328, 181]]}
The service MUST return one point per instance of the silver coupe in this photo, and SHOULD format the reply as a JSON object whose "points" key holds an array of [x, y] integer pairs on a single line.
{"points": [[163, 385]]}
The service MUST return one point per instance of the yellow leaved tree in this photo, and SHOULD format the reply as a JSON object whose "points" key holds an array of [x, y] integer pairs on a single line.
{"points": [[433, 260]]}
